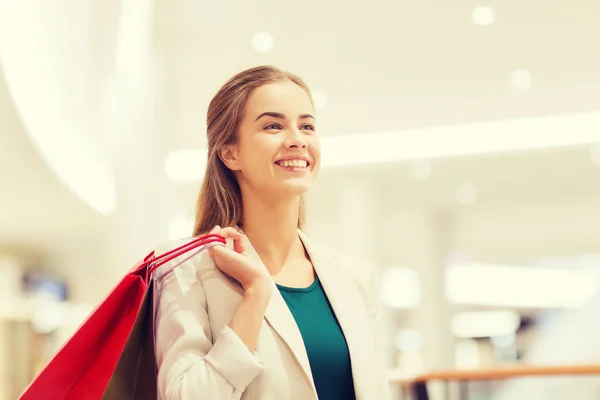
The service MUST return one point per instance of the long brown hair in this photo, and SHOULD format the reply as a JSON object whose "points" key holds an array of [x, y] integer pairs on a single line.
{"points": [[220, 199]]}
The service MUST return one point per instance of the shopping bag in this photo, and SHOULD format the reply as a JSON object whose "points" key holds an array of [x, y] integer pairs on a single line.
{"points": [[111, 355]]}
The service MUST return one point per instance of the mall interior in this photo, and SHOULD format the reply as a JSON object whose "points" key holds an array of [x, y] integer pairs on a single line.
{"points": [[460, 155]]}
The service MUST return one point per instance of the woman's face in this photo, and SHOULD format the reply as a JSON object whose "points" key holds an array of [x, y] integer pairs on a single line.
{"points": [[277, 150]]}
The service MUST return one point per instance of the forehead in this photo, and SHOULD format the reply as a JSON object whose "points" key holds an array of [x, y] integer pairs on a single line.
{"points": [[284, 97]]}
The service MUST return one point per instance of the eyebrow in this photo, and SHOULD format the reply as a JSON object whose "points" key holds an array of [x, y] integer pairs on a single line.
{"points": [[280, 116]]}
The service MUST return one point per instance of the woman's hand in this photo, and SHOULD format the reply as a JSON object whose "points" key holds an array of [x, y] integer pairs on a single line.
{"points": [[251, 274]]}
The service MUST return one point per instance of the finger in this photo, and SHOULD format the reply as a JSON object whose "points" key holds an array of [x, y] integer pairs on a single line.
{"points": [[230, 232], [238, 242], [239, 246], [215, 230], [224, 257], [216, 252]]}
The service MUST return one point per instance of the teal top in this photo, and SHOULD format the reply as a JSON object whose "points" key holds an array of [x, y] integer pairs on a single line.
{"points": [[324, 341]]}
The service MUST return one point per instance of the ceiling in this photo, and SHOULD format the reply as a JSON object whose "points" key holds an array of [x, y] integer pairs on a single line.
{"points": [[37, 209], [383, 66], [391, 64]]}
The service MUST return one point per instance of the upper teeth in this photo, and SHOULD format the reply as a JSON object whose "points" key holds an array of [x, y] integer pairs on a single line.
{"points": [[294, 163]]}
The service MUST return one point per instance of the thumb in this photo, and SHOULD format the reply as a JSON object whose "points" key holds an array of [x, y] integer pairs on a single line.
{"points": [[219, 253]]}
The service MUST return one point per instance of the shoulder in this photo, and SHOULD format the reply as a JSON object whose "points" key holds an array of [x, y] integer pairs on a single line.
{"points": [[361, 269], [361, 272], [358, 268], [185, 256]]}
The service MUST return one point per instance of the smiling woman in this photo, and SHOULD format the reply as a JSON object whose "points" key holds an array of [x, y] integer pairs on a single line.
{"points": [[277, 106], [273, 316]]}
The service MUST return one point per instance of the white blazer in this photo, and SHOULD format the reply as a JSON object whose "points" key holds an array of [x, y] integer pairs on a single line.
{"points": [[200, 357]]}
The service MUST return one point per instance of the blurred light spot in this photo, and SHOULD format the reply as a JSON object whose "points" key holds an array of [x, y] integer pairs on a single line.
{"points": [[504, 341], [483, 16], [466, 194], [529, 287], [595, 153], [48, 316], [186, 165], [263, 42], [482, 324], [421, 169], [521, 79], [400, 287], [319, 99], [408, 341]]}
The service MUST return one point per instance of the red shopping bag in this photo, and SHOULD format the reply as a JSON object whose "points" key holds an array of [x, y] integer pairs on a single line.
{"points": [[111, 355]]}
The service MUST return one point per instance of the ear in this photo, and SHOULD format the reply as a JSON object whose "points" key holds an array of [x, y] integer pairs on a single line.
{"points": [[229, 156]]}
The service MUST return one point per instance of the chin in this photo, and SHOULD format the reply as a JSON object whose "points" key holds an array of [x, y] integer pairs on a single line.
{"points": [[298, 188]]}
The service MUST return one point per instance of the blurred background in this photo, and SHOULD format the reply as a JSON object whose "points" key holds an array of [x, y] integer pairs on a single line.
{"points": [[461, 153]]}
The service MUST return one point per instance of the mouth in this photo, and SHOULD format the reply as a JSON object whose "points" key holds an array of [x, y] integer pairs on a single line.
{"points": [[294, 165]]}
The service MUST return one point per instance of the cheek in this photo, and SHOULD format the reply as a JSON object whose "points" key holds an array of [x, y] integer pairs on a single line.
{"points": [[315, 149], [256, 156]]}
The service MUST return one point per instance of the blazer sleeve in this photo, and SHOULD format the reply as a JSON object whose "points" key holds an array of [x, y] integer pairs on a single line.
{"points": [[383, 386], [190, 365]]}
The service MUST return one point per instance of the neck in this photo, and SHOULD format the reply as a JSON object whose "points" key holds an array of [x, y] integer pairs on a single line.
{"points": [[272, 228]]}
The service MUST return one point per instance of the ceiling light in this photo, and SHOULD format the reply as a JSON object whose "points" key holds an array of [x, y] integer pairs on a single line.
{"points": [[595, 153], [479, 138], [263, 42], [466, 194], [483, 16], [529, 287], [482, 324], [319, 99], [521, 79], [421, 169]]}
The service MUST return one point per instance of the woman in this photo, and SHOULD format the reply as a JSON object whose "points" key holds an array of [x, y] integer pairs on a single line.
{"points": [[273, 317]]}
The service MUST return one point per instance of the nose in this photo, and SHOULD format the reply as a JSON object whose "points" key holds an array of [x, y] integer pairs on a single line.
{"points": [[295, 140]]}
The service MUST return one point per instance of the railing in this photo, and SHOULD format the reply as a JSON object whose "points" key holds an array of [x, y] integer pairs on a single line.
{"points": [[417, 387]]}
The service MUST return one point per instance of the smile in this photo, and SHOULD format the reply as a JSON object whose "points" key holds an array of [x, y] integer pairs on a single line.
{"points": [[295, 165]]}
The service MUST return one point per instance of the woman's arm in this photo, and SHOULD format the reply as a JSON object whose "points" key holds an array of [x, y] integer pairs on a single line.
{"points": [[190, 366], [248, 318]]}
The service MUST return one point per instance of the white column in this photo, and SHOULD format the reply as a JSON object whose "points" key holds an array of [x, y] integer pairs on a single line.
{"points": [[356, 218], [360, 214], [138, 130], [432, 246]]}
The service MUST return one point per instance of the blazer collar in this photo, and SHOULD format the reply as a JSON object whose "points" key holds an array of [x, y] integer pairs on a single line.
{"points": [[349, 306], [345, 299]]}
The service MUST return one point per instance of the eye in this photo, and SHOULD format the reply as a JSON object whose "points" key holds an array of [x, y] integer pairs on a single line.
{"points": [[273, 126], [308, 127]]}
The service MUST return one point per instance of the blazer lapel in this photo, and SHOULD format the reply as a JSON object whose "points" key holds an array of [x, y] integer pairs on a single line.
{"points": [[282, 321], [348, 304]]}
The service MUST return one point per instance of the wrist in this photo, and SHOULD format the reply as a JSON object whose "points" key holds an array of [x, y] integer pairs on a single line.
{"points": [[259, 289]]}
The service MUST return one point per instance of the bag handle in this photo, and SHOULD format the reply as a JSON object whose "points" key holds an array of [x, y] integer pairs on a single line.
{"points": [[168, 256]]}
